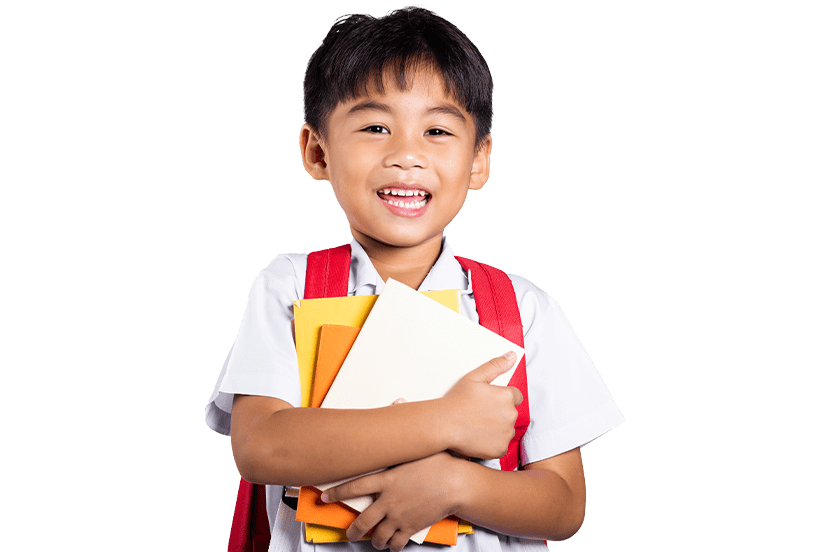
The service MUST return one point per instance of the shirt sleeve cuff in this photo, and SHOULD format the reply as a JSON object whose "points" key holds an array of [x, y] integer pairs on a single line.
{"points": [[216, 418]]}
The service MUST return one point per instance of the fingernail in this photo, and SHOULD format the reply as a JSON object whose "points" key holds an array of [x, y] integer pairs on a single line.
{"points": [[324, 497], [510, 356]]}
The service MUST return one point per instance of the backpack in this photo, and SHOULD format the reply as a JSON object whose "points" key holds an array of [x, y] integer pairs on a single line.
{"points": [[327, 276]]}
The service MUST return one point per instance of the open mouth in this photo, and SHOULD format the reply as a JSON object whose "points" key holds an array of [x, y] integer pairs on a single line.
{"points": [[406, 199]]}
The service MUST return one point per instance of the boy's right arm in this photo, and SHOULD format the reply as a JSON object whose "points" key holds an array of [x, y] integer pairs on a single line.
{"points": [[274, 443]]}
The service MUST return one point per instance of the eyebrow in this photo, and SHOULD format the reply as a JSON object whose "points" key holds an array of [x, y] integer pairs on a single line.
{"points": [[447, 109], [369, 105], [372, 105]]}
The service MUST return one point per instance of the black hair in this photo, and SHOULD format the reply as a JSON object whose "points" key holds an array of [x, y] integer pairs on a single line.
{"points": [[360, 51]]}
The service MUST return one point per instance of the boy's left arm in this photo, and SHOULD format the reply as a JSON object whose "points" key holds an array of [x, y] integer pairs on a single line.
{"points": [[545, 500]]}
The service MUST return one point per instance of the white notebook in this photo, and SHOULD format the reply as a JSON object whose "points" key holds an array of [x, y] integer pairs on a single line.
{"points": [[414, 348]]}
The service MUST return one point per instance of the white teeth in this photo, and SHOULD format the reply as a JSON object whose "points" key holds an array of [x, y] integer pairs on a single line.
{"points": [[408, 205], [403, 193]]}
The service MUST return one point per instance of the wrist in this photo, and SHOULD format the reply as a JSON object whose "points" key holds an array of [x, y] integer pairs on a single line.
{"points": [[459, 473], [448, 433]]}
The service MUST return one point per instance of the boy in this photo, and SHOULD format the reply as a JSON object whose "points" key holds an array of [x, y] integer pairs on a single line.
{"points": [[398, 112]]}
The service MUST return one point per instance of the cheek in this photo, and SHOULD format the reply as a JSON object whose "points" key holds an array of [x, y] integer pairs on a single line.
{"points": [[351, 167], [458, 177]]}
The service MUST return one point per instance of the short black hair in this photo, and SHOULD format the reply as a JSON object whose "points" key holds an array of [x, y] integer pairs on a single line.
{"points": [[360, 51]]}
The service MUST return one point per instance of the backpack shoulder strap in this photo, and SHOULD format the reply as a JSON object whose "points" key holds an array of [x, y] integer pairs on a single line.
{"points": [[325, 276], [327, 273], [250, 531], [498, 311]]}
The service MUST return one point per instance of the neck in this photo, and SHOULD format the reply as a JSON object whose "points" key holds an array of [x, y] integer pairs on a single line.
{"points": [[408, 265]]}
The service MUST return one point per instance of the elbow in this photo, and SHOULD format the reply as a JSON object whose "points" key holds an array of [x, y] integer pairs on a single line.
{"points": [[570, 510], [261, 454], [257, 460], [567, 530], [247, 456]]}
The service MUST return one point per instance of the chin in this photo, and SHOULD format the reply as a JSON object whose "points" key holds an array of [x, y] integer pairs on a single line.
{"points": [[400, 241]]}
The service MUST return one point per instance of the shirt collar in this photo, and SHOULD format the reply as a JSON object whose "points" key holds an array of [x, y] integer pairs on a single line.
{"points": [[446, 273]]}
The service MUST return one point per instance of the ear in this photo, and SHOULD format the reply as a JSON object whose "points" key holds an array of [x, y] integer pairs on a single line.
{"points": [[313, 152], [480, 164]]}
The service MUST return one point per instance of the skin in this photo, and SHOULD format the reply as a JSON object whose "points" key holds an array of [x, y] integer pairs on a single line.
{"points": [[420, 140]]}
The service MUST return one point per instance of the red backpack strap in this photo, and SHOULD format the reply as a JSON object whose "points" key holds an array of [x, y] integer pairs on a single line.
{"points": [[327, 273], [498, 311], [250, 531], [325, 276]]}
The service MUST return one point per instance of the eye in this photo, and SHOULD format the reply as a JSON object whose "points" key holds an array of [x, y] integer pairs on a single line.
{"points": [[376, 129], [437, 132]]}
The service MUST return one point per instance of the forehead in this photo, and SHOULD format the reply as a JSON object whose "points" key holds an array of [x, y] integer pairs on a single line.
{"points": [[421, 85]]}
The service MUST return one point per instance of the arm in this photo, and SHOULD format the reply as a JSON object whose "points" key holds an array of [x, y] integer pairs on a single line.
{"points": [[274, 443], [546, 500]]}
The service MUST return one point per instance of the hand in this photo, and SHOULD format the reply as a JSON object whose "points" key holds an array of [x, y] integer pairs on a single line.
{"points": [[480, 417], [409, 498]]}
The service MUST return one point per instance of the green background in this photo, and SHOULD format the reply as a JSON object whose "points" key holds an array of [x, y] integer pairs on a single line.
{"points": [[659, 168]]}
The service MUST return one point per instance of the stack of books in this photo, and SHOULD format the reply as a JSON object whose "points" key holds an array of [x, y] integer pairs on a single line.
{"points": [[350, 357]]}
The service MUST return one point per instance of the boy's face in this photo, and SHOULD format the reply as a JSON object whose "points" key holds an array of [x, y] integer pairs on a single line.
{"points": [[400, 163]]}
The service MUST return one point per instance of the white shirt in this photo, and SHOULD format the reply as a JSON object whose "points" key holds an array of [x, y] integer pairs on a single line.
{"points": [[569, 403]]}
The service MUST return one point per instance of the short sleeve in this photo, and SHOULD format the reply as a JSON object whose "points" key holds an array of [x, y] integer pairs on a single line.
{"points": [[263, 358], [570, 404]]}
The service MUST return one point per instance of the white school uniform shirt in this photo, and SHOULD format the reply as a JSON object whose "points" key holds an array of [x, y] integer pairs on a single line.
{"points": [[569, 403]]}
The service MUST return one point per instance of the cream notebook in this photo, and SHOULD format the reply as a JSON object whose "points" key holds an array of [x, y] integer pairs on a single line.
{"points": [[415, 348]]}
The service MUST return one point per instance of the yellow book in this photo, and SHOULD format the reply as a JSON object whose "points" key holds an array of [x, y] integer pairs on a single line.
{"points": [[321, 533]]}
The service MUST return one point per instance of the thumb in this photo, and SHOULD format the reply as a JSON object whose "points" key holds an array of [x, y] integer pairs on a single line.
{"points": [[490, 370]]}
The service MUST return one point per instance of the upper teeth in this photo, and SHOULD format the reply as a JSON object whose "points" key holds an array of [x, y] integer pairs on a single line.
{"points": [[404, 192]]}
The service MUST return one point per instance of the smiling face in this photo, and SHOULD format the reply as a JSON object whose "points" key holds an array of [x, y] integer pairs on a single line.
{"points": [[400, 163]]}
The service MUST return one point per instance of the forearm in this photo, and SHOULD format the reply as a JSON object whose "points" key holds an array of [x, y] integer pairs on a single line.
{"points": [[305, 446], [275, 443], [535, 503]]}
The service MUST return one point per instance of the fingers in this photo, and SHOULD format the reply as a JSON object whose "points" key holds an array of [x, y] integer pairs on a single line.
{"points": [[488, 371], [397, 542], [383, 533], [363, 486], [364, 523]]}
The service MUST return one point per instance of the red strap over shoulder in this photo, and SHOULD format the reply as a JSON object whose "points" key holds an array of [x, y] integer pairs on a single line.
{"points": [[498, 311], [325, 276], [250, 531], [327, 273]]}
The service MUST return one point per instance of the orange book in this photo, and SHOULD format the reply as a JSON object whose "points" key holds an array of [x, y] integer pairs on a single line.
{"points": [[311, 509], [335, 342]]}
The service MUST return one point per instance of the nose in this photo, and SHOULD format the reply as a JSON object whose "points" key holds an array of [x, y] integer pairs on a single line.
{"points": [[406, 152]]}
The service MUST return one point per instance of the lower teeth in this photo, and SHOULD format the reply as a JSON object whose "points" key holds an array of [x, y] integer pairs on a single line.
{"points": [[411, 205]]}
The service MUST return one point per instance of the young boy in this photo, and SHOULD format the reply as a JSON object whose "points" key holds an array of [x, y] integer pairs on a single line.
{"points": [[398, 113]]}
